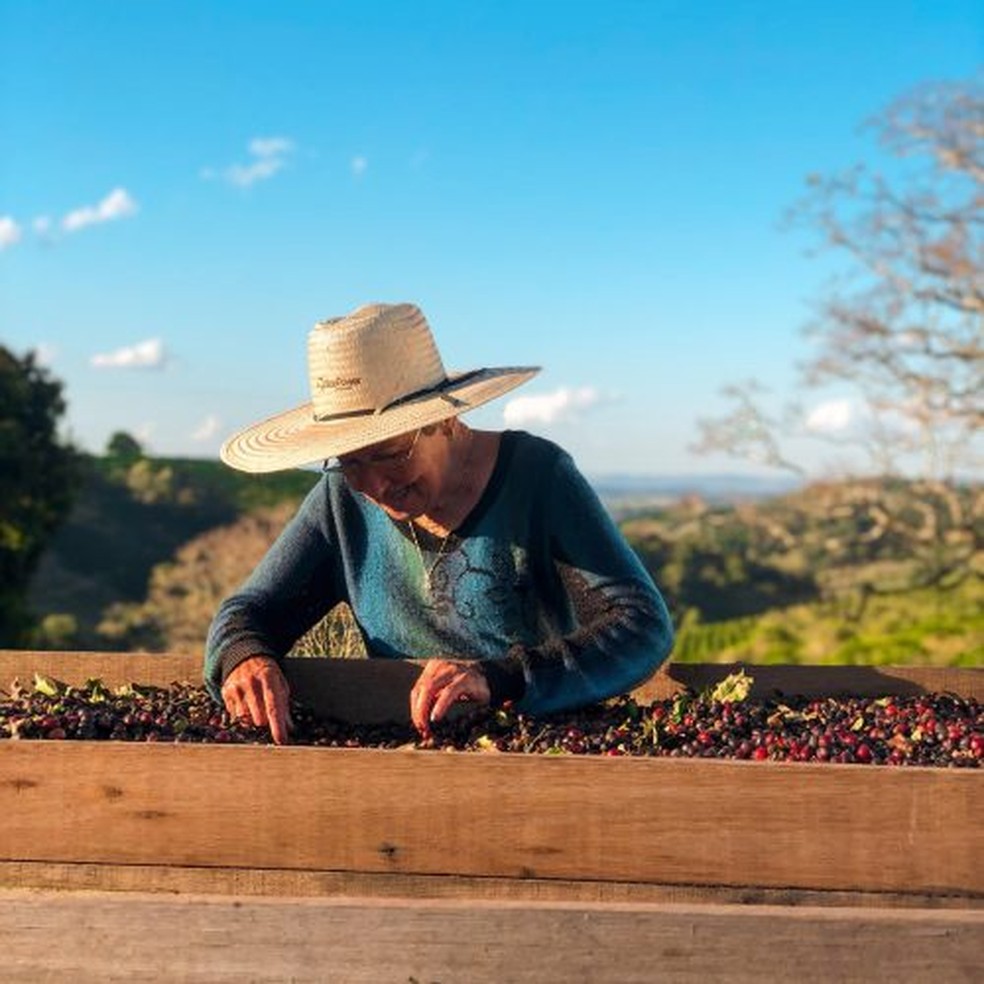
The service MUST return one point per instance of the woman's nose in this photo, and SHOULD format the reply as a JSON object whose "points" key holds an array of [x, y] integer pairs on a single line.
{"points": [[369, 482]]}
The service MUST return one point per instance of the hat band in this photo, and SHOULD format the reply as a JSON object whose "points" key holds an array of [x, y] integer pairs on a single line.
{"points": [[323, 418]]}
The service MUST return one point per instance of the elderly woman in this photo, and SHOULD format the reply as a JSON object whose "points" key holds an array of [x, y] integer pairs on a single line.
{"points": [[485, 553]]}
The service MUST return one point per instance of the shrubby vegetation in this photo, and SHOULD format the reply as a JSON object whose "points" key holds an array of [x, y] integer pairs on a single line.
{"points": [[843, 541], [126, 572], [184, 592], [918, 628], [857, 571], [38, 480]]}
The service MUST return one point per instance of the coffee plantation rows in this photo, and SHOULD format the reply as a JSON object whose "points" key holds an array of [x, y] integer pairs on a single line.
{"points": [[722, 723], [698, 642]]}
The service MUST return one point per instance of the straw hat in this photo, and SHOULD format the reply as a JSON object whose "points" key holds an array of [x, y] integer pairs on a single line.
{"points": [[374, 374]]}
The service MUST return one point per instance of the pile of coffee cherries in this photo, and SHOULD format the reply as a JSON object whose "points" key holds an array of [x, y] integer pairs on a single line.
{"points": [[925, 730]]}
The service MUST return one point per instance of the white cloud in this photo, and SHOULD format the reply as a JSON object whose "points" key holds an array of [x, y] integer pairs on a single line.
{"points": [[45, 353], [207, 428], [144, 432], [149, 354], [118, 204], [270, 146], [244, 175], [10, 232], [831, 417], [268, 156], [561, 404], [358, 164]]}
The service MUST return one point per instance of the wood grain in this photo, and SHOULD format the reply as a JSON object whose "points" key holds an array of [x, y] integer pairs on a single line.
{"points": [[86, 937], [297, 882], [852, 828]]}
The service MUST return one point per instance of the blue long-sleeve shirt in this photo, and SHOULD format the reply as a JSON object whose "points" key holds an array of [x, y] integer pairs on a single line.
{"points": [[537, 583]]}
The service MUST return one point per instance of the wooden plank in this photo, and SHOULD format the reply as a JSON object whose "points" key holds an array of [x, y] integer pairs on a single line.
{"points": [[114, 669], [372, 691], [97, 937], [822, 681], [852, 828], [281, 882], [364, 691]]}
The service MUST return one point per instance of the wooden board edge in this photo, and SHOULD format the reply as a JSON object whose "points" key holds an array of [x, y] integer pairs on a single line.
{"points": [[294, 883]]}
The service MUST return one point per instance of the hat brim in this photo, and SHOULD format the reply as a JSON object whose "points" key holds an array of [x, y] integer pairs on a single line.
{"points": [[294, 438]]}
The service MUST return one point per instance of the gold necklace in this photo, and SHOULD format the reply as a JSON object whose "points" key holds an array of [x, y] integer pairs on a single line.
{"points": [[428, 571]]}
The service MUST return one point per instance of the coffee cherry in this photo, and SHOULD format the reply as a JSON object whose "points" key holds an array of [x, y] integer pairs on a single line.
{"points": [[928, 730]]}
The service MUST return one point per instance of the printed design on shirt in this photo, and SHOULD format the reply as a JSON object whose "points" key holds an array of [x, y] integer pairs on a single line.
{"points": [[610, 613], [476, 578]]}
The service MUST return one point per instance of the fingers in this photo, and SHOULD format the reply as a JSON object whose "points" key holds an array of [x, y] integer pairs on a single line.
{"points": [[469, 687], [442, 684], [257, 692], [277, 709]]}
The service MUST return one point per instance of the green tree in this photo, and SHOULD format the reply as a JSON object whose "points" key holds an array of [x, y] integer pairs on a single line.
{"points": [[39, 477], [124, 446]]}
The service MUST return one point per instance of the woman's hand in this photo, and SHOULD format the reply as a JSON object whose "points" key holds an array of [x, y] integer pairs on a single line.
{"points": [[443, 683], [256, 691]]}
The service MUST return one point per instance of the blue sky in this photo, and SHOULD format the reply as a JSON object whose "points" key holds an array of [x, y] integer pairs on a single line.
{"points": [[597, 188]]}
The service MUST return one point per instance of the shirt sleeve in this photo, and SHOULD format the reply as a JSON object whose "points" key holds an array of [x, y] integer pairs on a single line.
{"points": [[621, 630], [292, 588]]}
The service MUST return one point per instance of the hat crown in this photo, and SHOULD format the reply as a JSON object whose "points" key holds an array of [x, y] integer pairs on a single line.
{"points": [[370, 359]]}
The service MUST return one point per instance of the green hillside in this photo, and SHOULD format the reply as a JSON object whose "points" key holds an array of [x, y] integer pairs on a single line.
{"points": [[866, 571], [919, 628], [133, 515]]}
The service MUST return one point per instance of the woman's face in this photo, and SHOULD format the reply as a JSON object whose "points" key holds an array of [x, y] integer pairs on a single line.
{"points": [[404, 476]]}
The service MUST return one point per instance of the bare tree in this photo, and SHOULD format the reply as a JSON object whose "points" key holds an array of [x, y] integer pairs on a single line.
{"points": [[903, 325], [747, 431]]}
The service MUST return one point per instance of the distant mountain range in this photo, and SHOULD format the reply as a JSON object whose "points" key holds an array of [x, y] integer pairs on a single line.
{"points": [[641, 490]]}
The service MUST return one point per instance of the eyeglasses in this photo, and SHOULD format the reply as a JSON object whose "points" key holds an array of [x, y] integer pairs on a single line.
{"points": [[388, 462]]}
